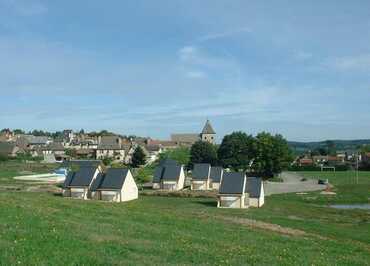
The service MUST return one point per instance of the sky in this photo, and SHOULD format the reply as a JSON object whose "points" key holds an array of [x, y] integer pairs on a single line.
{"points": [[152, 68]]}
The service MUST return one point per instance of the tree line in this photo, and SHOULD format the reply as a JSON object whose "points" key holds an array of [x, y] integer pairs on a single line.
{"points": [[265, 153]]}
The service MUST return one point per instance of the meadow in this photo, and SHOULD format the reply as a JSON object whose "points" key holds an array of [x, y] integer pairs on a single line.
{"points": [[44, 228]]}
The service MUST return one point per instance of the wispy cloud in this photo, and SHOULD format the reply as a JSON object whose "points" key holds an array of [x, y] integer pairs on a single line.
{"points": [[196, 74], [358, 62], [224, 34], [302, 55]]}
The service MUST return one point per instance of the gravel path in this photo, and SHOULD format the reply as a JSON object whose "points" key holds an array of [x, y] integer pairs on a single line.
{"points": [[292, 183]]}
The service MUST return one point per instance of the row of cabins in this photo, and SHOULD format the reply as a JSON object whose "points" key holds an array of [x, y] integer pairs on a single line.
{"points": [[235, 189], [91, 182]]}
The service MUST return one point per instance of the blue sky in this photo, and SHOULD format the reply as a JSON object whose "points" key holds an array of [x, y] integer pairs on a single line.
{"points": [[152, 68]]}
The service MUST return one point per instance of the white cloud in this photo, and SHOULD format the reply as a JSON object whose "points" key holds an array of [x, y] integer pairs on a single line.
{"points": [[187, 53], [196, 74], [359, 63], [302, 55], [220, 35]]}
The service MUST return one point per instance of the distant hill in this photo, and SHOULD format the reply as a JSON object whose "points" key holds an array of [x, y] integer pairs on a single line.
{"points": [[340, 145]]}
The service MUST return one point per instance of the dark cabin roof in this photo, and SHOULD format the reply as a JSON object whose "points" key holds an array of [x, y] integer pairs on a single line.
{"points": [[208, 128], [68, 179], [168, 161], [158, 173], [97, 182], [83, 177], [254, 186], [172, 172], [216, 173], [232, 183], [167, 169], [201, 171], [114, 178]]}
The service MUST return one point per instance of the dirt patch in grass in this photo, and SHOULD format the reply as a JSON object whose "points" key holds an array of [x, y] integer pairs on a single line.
{"points": [[268, 226]]}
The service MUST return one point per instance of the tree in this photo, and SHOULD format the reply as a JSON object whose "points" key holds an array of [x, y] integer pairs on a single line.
{"points": [[203, 152], [237, 150], [272, 154], [18, 132], [331, 148], [138, 158]]}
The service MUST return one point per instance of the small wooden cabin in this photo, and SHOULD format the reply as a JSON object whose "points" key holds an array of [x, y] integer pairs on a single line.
{"points": [[256, 191], [77, 184], [169, 175], [232, 193], [201, 177], [117, 185], [216, 177]]}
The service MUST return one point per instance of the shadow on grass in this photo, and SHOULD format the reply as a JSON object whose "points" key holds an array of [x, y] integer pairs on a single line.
{"points": [[57, 194], [212, 204]]}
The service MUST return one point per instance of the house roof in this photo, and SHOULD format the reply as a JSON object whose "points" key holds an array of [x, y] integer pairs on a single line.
{"points": [[110, 143], [7, 148], [254, 187], [232, 183], [153, 147], [172, 172], [208, 129], [97, 182], [68, 179], [185, 138], [114, 178], [168, 161], [83, 177], [42, 140], [54, 146], [158, 173], [216, 173], [201, 171]]}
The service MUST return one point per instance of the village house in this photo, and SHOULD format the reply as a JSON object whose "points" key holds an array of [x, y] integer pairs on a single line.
{"points": [[117, 185], [32, 142], [111, 147], [9, 149], [256, 192], [152, 151], [77, 183], [216, 177], [208, 134], [169, 175], [7, 135], [305, 162], [55, 148], [201, 177], [232, 193]]}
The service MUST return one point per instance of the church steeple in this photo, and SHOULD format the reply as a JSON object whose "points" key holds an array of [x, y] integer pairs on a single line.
{"points": [[208, 134]]}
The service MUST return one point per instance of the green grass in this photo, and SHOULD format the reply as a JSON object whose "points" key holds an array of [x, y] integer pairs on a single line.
{"points": [[42, 228], [340, 178], [345, 185]]}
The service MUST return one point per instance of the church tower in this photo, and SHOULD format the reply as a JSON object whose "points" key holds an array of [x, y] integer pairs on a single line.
{"points": [[208, 134]]}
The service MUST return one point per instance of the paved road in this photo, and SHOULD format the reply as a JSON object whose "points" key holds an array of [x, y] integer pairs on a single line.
{"points": [[292, 183]]}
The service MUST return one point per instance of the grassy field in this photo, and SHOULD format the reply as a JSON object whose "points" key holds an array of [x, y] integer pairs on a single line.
{"points": [[43, 228]]}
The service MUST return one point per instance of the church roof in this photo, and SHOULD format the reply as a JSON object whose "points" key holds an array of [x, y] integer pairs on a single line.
{"points": [[208, 128]]}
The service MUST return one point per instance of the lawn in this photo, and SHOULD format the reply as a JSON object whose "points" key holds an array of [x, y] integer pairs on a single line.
{"points": [[43, 228]]}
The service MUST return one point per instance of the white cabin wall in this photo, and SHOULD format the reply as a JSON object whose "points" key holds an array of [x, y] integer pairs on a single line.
{"points": [[129, 189]]}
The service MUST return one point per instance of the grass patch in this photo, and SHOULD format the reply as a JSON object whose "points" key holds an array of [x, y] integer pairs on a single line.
{"points": [[40, 228]]}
